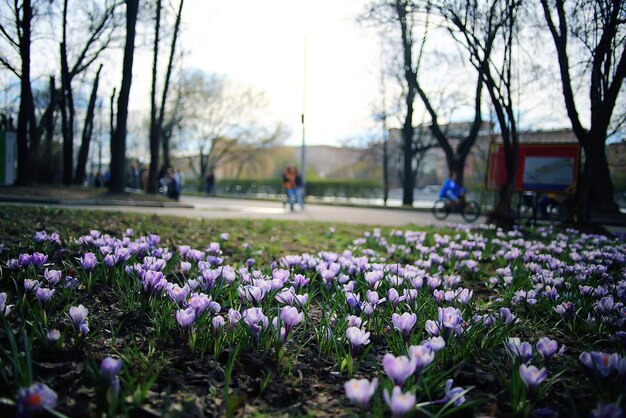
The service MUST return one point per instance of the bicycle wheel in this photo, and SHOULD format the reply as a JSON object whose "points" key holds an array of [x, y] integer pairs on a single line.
{"points": [[441, 210], [471, 211]]}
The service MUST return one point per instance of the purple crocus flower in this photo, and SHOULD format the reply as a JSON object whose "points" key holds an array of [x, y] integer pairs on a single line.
{"points": [[44, 294], [532, 376], [40, 236], [521, 350], [256, 320], [218, 322], [290, 317], [357, 338], [399, 403], [186, 317], [398, 368], [52, 276], [432, 328], [547, 348], [404, 323], [200, 302], [4, 308], [423, 355], [38, 259], [435, 343], [607, 410], [109, 260], [565, 309], [185, 266], [361, 390], [31, 284], [454, 394], [176, 293], [110, 369], [603, 363], [34, 399], [78, 315], [88, 261], [24, 260], [84, 328], [53, 335]]}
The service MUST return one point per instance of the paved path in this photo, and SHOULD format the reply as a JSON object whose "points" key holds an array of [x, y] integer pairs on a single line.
{"points": [[221, 208]]}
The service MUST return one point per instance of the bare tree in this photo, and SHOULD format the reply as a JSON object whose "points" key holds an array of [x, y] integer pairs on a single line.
{"points": [[598, 28], [118, 139], [76, 58], [83, 153], [156, 122], [220, 118], [405, 14], [16, 32], [486, 30]]}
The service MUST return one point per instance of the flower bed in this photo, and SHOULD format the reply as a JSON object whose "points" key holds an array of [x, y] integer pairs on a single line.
{"points": [[460, 321]]}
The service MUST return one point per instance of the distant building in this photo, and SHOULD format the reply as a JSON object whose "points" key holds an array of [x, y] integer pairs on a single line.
{"points": [[616, 156]]}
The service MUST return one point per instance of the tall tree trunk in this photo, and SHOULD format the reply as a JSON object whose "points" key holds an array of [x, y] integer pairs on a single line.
{"points": [[26, 110], [165, 137], [118, 143], [155, 134], [46, 165], [67, 113], [83, 153]]}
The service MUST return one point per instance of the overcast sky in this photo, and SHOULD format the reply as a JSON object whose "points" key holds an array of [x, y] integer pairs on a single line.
{"points": [[262, 44]]}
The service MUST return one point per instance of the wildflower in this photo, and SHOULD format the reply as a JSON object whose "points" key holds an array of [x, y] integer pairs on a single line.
{"points": [[153, 281], [109, 370], [186, 317], [357, 338], [24, 260], [398, 368], [506, 316], [300, 280], [423, 355], [521, 350], [44, 294], [361, 390], [176, 293], [565, 309], [531, 376], [290, 317], [31, 284], [78, 315], [603, 363], [34, 399], [4, 308], [404, 323], [233, 316], [218, 322], [394, 297], [435, 343], [38, 259], [53, 335], [547, 348], [88, 261], [52, 276], [84, 328], [609, 410], [399, 403], [454, 395], [256, 320]]}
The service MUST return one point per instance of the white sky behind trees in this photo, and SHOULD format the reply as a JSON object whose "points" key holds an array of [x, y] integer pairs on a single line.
{"points": [[261, 44]]}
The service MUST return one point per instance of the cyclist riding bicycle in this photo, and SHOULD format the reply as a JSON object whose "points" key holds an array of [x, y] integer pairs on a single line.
{"points": [[453, 192]]}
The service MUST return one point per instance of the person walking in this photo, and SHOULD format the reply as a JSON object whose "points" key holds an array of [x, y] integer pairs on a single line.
{"points": [[289, 184], [299, 187]]}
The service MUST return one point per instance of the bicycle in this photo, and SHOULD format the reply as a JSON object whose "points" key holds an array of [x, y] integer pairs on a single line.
{"points": [[469, 209]]}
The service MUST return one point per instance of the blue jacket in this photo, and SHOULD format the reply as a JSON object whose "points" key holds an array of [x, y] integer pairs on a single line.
{"points": [[451, 190]]}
